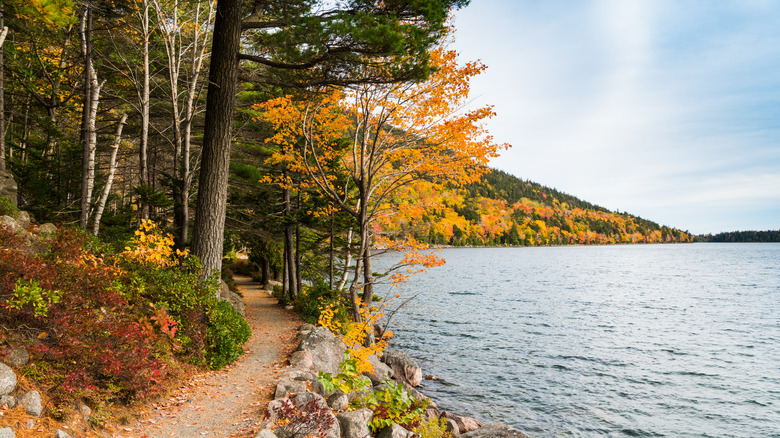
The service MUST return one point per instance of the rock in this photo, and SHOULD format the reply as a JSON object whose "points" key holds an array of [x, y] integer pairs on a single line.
{"points": [[354, 424], [47, 228], [265, 433], [432, 411], [338, 401], [8, 187], [23, 219], [59, 433], [8, 400], [316, 410], [30, 423], [18, 357], [326, 350], [11, 223], [233, 298], [302, 359], [395, 431], [465, 424], [84, 409], [7, 432], [7, 379], [495, 430], [417, 395], [285, 387], [405, 369], [300, 375], [381, 371], [305, 327], [451, 426], [32, 403]]}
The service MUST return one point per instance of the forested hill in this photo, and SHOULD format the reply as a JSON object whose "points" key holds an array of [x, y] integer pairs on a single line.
{"points": [[502, 209], [742, 236]]}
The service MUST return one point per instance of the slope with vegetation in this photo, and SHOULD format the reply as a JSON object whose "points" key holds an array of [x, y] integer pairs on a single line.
{"points": [[501, 209], [105, 326]]}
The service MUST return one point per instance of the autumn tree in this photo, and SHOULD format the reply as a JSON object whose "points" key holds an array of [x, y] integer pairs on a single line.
{"points": [[302, 43], [399, 133]]}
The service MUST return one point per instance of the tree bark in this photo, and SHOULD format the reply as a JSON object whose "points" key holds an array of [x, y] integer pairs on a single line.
{"points": [[89, 115], [143, 148], [3, 34], [208, 231], [110, 180]]}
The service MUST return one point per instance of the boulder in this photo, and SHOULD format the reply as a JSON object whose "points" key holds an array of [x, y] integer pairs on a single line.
{"points": [[405, 369], [381, 371], [285, 387], [32, 402], [47, 228], [59, 433], [8, 400], [7, 379], [302, 359], [23, 219], [233, 298], [18, 357], [317, 416], [11, 223], [354, 424], [465, 424], [338, 401], [265, 433], [326, 350], [495, 430], [7, 432], [395, 431], [8, 187]]}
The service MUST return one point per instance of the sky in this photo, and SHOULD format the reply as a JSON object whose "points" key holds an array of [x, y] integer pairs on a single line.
{"points": [[666, 109]]}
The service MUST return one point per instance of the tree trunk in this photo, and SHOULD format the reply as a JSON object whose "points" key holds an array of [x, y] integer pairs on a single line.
{"points": [[110, 180], [208, 232], [89, 115], [289, 286], [3, 33], [143, 148]]}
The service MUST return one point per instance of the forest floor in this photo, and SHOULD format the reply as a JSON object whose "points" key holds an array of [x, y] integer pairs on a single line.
{"points": [[228, 402]]}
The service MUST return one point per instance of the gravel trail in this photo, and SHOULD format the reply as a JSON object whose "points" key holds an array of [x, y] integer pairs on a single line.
{"points": [[229, 402]]}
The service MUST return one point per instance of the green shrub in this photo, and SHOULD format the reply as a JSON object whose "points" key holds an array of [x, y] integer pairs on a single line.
{"points": [[433, 428], [391, 405], [226, 333], [7, 208]]}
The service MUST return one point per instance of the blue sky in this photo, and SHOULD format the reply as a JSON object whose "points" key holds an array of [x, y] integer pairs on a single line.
{"points": [[667, 109]]}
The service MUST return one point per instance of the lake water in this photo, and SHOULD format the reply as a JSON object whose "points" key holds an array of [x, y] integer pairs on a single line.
{"points": [[640, 340]]}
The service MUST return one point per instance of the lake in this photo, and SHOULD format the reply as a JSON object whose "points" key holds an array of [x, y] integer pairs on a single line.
{"points": [[617, 341]]}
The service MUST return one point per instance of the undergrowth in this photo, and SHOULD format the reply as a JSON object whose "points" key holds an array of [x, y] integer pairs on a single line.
{"points": [[111, 327]]}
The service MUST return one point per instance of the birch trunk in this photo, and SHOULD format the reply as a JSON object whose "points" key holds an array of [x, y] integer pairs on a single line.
{"points": [[89, 115], [110, 180]]}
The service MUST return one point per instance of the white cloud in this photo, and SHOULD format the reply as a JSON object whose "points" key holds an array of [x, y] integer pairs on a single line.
{"points": [[647, 105]]}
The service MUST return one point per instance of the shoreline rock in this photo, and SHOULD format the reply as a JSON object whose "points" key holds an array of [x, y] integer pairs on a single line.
{"points": [[320, 350]]}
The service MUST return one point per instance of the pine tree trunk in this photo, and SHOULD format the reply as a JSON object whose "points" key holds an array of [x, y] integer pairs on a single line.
{"points": [[208, 232]]}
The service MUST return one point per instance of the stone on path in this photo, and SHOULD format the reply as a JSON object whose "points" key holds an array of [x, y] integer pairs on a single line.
{"points": [[18, 357], [7, 379], [32, 403], [7, 432]]}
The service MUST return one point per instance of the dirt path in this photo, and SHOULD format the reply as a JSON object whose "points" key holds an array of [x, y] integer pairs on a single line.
{"points": [[229, 402]]}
